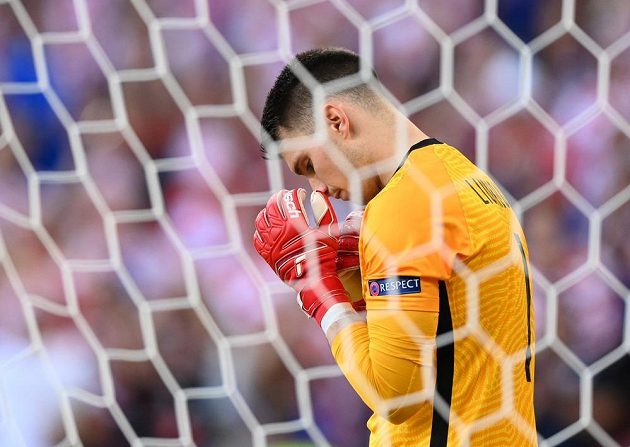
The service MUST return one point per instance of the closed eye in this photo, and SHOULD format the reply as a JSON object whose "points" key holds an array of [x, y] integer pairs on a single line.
{"points": [[310, 170], [304, 166]]}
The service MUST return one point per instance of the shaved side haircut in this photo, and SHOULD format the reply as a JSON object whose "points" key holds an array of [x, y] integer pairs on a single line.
{"points": [[289, 104]]}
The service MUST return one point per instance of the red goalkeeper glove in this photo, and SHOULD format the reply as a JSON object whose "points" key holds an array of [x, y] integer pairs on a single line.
{"points": [[348, 254], [348, 266], [303, 257]]}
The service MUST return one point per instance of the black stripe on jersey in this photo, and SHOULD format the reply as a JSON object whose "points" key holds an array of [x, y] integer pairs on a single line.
{"points": [[419, 145], [528, 291], [445, 363]]}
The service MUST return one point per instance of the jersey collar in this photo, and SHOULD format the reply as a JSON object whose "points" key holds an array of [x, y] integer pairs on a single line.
{"points": [[420, 144]]}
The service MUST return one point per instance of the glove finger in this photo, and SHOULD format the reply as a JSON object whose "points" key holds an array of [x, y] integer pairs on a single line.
{"points": [[299, 195], [347, 262], [352, 223], [258, 242], [273, 206], [322, 210], [290, 204], [355, 215], [349, 243], [261, 231], [261, 223]]}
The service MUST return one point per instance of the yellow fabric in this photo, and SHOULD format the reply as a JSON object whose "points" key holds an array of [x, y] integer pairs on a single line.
{"points": [[351, 280], [391, 361], [443, 220]]}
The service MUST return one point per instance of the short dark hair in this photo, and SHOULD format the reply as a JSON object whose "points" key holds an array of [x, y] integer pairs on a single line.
{"points": [[290, 102]]}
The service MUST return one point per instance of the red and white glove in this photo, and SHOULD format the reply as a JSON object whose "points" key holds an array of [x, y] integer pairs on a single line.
{"points": [[303, 257], [348, 254], [348, 267]]}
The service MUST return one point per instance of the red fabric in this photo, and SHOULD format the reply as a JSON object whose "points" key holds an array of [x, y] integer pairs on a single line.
{"points": [[302, 257], [348, 254]]}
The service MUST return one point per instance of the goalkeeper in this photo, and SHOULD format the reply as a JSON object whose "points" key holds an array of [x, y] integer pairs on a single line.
{"points": [[444, 354]]}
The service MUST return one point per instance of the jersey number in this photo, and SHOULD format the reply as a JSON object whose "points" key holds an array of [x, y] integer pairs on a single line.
{"points": [[528, 351]]}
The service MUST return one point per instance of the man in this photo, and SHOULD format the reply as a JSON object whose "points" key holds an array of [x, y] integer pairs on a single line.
{"points": [[445, 354]]}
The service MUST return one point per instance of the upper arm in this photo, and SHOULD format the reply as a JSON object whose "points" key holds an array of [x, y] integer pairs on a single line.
{"points": [[411, 234]]}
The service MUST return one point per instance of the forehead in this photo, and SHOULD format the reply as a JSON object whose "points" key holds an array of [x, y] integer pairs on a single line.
{"points": [[292, 157]]}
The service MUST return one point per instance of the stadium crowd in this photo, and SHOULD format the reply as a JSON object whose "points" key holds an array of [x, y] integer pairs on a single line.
{"points": [[84, 309]]}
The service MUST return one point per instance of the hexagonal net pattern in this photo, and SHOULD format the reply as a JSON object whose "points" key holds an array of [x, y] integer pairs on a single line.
{"points": [[133, 309]]}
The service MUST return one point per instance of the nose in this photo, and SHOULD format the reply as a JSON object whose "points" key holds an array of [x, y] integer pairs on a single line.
{"points": [[317, 185]]}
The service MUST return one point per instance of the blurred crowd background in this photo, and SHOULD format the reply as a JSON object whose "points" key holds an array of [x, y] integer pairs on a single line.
{"points": [[69, 320]]}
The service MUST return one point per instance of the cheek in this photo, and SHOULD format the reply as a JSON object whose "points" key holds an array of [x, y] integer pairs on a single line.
{"points": [[328, 171], [338, 178]]}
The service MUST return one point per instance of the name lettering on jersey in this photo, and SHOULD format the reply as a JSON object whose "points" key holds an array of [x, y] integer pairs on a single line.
{"points": [[396, 285], [291, 208], [488, 192]]}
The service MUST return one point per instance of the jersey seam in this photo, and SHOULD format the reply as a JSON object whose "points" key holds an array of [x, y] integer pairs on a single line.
{"points": [[459, 200]]}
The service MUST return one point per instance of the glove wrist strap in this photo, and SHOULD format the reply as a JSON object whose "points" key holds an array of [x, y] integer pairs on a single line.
{"points": [[320, 296]]}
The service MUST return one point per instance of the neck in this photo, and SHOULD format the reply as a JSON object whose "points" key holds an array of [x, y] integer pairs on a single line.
{"points": [[401, 135]]}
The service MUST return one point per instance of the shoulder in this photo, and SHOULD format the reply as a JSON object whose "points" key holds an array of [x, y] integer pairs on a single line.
{"points": [[421, 182], [420, 204]]}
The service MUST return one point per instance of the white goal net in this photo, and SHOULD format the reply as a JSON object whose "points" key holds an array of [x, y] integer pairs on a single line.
{"points": [[133, 308]]}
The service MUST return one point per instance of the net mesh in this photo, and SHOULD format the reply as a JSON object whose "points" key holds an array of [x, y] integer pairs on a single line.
{"points": [[133, 308]]}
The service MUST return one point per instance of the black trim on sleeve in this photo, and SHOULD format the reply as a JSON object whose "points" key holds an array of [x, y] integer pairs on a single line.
{"points": [[419, 145], [528, 291], [445, 369]]}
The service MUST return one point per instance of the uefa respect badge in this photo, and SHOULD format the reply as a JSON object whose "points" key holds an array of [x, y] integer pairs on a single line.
{"points": [[395, 285]]}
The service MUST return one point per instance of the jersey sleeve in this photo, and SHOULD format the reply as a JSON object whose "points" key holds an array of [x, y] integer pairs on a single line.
{"points": [[387, 359], [411, 234]]}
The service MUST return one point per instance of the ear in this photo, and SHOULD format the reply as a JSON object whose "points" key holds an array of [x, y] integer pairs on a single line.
{"points": [[337, 119]]}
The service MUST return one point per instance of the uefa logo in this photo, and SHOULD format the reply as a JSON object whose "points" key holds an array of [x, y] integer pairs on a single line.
{"points": [[374, 288]]}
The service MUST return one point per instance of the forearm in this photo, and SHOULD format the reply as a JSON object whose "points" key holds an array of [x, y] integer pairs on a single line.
{"points": [[387, 359]]}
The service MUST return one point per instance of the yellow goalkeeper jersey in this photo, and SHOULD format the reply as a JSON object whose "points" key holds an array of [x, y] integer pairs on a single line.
{"points": [[444, 265]]}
